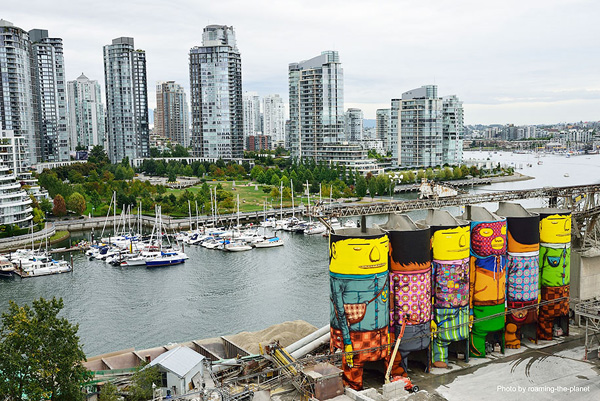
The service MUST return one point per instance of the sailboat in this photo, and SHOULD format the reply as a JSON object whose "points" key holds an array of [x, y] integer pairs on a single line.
{"points": [[236, 245], [167, 256]]}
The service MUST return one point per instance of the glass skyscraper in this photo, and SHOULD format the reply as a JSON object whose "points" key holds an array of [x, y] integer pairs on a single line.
{"points": [[49, 65], [216, 95], [86, 113], [126, 100], [18, 97], [316, 91], [421, 128], [274, 119], [171, 119], [453, 129]]}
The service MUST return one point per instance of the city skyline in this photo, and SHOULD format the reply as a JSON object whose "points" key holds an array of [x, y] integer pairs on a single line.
{"points": [[510, 62]]}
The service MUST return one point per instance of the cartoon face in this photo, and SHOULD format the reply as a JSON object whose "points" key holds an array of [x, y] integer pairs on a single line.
{"points": [[489, 238], [556, 229], [358, 255], [451, 243]]}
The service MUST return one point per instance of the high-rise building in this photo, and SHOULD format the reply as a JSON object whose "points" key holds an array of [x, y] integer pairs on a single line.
{"points": [[274, 119], [316, 91], [251, 109], [421, 127], [452, 129], [51, 85], [354, 125], [393, 141], [382, 126], [216, 95], [171, 115], [86, 113], [126, 100], [19, 101]]}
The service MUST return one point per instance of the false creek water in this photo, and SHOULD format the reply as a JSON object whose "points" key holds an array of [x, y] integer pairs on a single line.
{"points": [[216, 293]]}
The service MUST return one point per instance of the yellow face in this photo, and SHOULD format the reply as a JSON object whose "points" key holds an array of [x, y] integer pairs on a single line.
{"points": [[359, 255], [556, 229], [451, 244]]}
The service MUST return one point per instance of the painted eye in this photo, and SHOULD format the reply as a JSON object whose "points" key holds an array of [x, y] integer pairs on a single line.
{"points": [[486, 232], [503, 230]]}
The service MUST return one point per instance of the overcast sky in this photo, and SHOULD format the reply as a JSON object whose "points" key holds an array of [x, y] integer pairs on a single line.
{"points": [[510, 61]]}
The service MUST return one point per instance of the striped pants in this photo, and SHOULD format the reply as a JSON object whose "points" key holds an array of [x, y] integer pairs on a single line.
{"points": [[452, 325]]}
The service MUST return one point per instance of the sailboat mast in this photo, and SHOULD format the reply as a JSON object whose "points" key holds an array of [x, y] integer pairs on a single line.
{"points": [[190, 213], [281, 201], [292, 190]]}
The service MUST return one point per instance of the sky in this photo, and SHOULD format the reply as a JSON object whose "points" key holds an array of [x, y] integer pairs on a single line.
{"points": [[509, 61]]}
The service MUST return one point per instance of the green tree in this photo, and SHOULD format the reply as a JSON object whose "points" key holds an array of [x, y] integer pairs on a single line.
{"points": [[109, 392], [410, 176], [45, 205], [98, 155], [76, 203], [172, 176], [41, 354], [141, 383], [372, 184], [275, 193], [60, 207], [429, 174], [361, 186]]}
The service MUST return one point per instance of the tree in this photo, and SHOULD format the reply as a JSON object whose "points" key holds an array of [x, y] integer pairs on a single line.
{"points": [[141, 383], [98, 155], [172, 176], [45, 205], [60, 207], [109, 392], [41, 354], [76, 203], [361, 186], [372, 184]]}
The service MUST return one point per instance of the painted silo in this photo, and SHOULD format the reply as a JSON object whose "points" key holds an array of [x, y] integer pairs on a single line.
{"points": [[450, 240], [523, 249], [410, 287], [555, 269], [359, 311], [487, 275]]}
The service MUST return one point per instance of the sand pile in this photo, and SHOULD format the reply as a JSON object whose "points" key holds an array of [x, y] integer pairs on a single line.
{"points": [[286, 333]]}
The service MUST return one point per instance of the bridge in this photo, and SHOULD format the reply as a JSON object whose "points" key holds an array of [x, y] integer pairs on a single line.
{"points": [[582, 200]]}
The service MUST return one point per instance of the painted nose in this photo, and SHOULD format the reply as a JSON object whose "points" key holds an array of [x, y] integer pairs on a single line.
{"points": [[462, 241]]}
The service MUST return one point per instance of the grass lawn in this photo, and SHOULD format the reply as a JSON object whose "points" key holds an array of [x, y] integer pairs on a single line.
{"points": [[252, 197]]}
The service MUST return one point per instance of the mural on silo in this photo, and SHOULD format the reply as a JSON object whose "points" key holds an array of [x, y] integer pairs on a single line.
{"points": [[487, 276], [555, 270], [410, 287], [359, 311], [450, 249], [523, 242]]}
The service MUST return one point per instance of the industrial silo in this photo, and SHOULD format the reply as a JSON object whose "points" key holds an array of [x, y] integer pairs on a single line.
{"points": [[523, 245], [450, 240], [359, 289], [410, 288], [487, 277], [555, 272]]}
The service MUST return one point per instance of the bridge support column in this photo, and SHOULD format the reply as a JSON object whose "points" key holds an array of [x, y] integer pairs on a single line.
{"points": [[553, 201]]}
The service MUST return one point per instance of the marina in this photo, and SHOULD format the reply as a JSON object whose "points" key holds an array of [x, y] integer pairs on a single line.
{"points": [[214, 295]]}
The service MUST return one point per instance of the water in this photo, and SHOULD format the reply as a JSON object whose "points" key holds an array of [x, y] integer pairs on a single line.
{"points": [[216, 293]]}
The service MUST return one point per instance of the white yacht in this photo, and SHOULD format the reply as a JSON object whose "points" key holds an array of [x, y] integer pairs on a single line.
{"points": [[269, 243], [236, 246]]}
